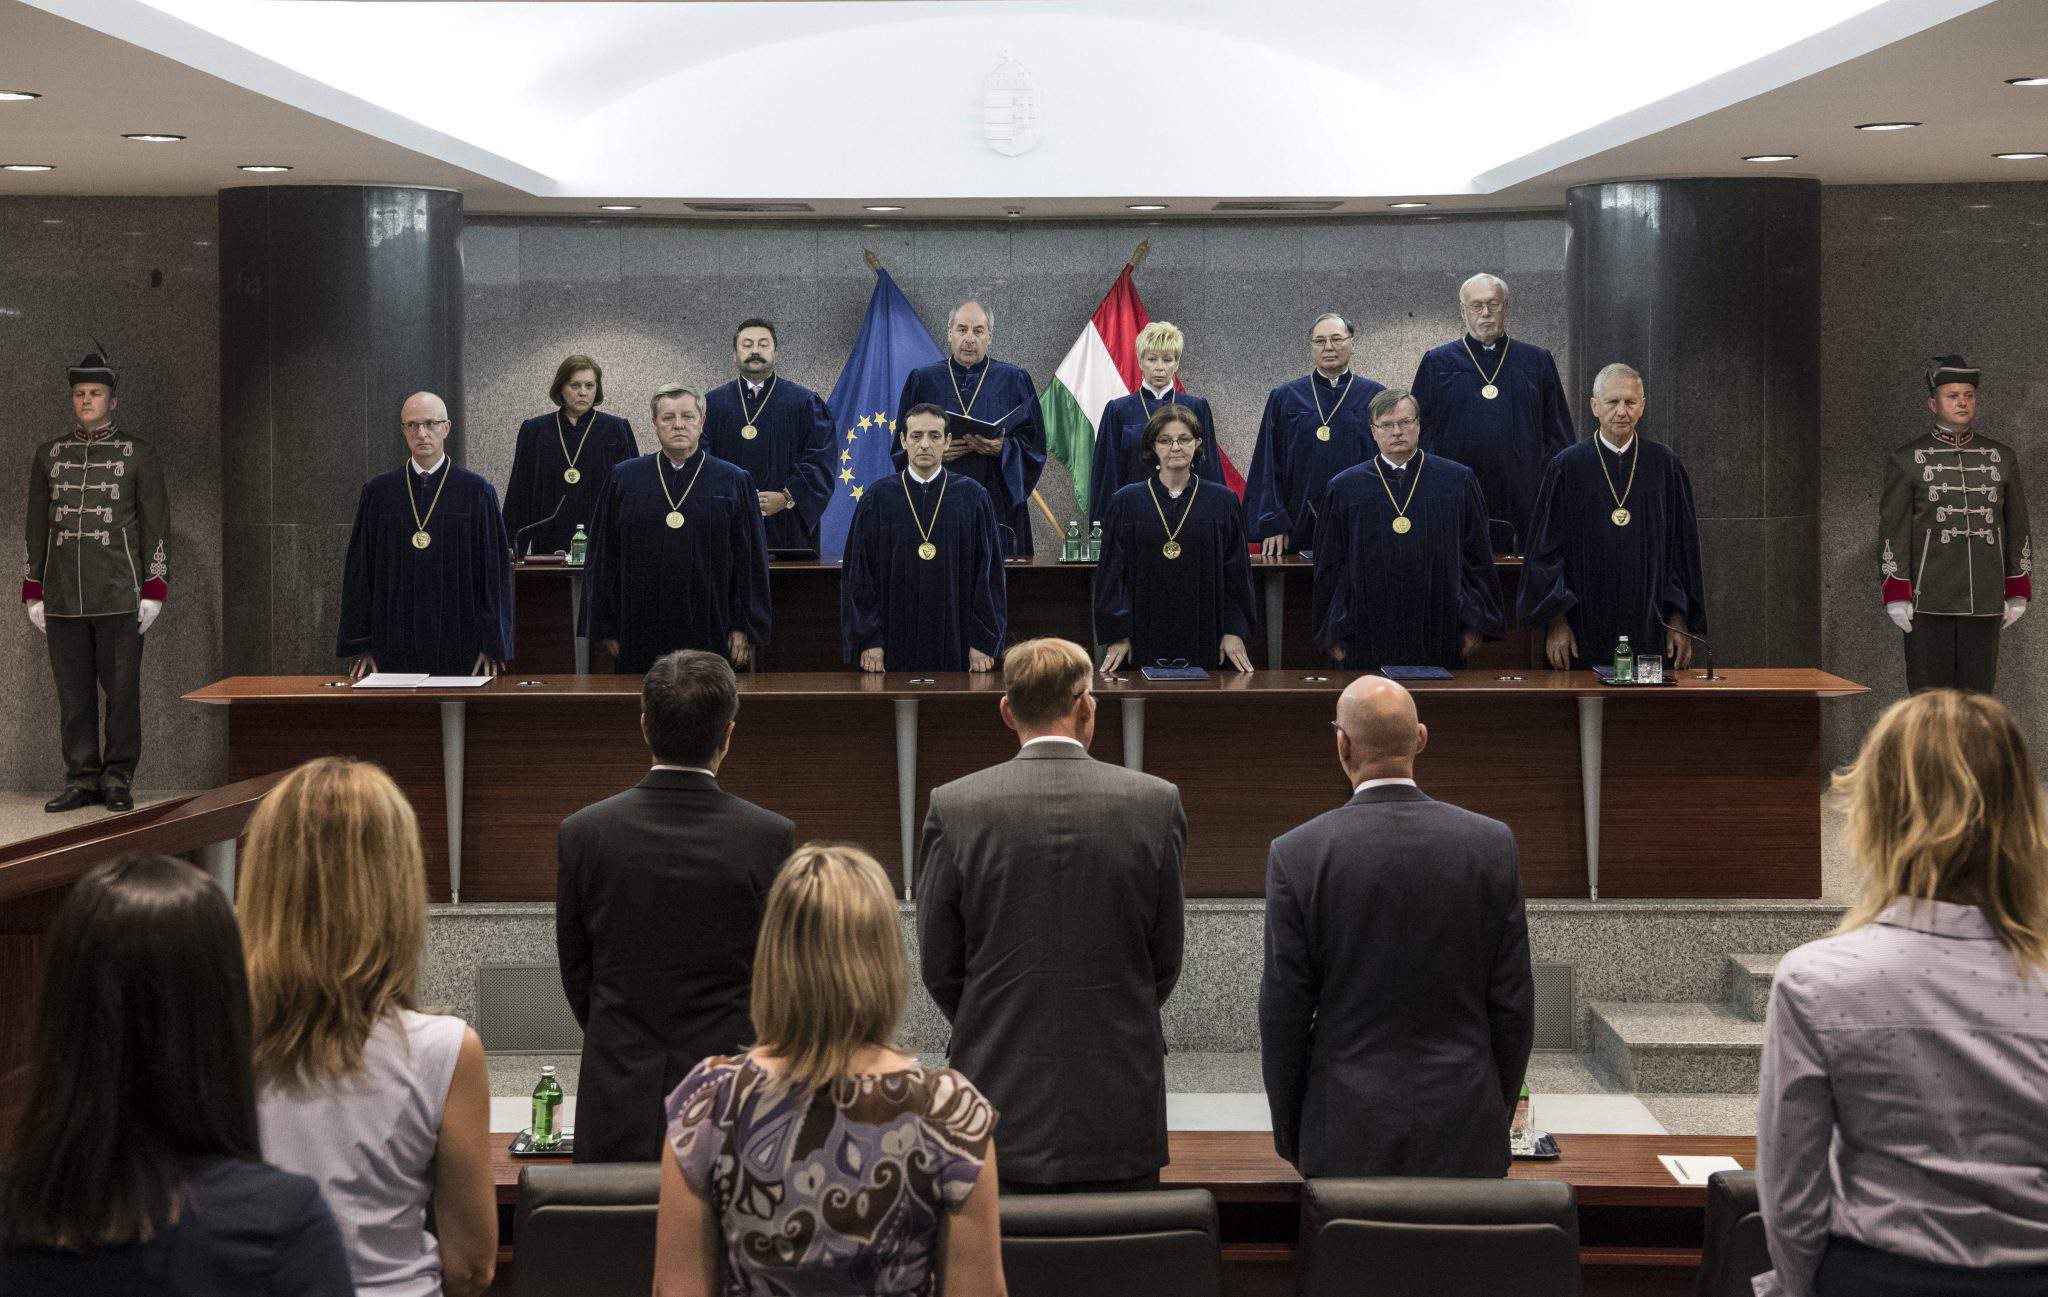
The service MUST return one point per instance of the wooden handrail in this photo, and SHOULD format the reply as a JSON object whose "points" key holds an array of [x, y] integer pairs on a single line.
{"points": [[166, 828]]}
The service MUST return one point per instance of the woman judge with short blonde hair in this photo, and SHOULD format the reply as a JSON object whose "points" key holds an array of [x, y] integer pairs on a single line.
{"points": [[1120, 456]]}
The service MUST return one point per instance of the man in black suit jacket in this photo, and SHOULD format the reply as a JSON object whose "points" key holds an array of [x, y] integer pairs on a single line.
{"points": [[1050, 927], [1397, 1008], [659, 893]]}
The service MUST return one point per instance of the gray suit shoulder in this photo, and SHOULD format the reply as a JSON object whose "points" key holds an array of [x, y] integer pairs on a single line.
{"points": [[1115, 779]]}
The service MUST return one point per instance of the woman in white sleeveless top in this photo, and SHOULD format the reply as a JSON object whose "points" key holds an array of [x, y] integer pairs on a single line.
{"points": [[385, 1107]]}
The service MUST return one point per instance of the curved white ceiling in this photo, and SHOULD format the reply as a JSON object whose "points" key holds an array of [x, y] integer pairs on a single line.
{"points": [[884, 98]]}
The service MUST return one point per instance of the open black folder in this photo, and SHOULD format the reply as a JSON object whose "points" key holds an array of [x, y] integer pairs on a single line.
{"points": [[960, 425]]}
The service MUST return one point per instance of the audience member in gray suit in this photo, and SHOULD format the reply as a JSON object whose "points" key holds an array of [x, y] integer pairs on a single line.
{"points": [[659, 893], [1049, 917], [1397, 1009]]}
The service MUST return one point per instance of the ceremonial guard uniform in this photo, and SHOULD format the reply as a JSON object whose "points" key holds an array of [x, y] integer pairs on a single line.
{"points": [[95, 573], [1953, 543]]}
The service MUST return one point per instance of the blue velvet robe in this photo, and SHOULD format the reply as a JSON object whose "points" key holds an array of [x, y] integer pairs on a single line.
{"points": [[1174, 608], [537, 485], [1506, 442], [924, 614], [1290, 467], [1007, 397], [1612, 581], [1404, 600], [656, 588], [1120, 459], [792, 452], [432, 609]]}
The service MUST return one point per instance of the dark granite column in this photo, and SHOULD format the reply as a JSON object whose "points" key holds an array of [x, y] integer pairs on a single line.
{"points": [[337, 303], [1711, 288]]}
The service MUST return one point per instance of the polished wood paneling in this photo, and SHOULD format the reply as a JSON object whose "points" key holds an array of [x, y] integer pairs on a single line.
{"points": [[544, 630], [1711, 801], [804, 631], [1520, 765]]}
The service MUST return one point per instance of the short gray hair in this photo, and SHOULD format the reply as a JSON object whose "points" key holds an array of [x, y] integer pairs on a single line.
{"points": [[986, 310], [1349, 328], [669, 392], [1388, 400], [1610, 373], [1483, 280]]}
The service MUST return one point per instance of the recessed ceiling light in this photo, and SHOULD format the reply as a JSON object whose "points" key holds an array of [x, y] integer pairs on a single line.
{"points": [[618, 207], [26, 166], [151, 137], [2026, 81], [1978, 207], [883, 207], [1406, 206], [1887, 126], [1013, 212], [1145, 207], [2019, 157], [17, 96], [263, 168], [1770, 157]]}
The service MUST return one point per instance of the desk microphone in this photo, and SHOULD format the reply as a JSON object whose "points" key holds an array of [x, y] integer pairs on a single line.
{"points": [[520, 535], [1700, 640]]}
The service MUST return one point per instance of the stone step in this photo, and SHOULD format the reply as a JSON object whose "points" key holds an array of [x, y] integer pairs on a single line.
{"points": [[1676, 1048], [1748, 983]]}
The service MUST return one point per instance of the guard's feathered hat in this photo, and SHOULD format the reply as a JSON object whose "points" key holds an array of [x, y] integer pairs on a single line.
{"points": [[94, 368], [1952, 369]]}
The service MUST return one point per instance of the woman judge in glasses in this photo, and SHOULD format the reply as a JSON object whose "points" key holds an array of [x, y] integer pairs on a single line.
{"points": [[1120, 433], [562, 459], [1175, 583]]}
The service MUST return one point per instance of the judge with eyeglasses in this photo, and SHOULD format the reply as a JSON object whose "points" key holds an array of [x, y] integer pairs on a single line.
{"points": [[1175, 584]]}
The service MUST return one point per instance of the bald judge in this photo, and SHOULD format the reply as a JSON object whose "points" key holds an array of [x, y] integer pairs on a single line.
{"points": [[428, 582], [1006, 459]]}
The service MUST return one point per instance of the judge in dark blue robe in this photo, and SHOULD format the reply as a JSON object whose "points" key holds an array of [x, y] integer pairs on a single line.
{"points": [[1313, 429], [1615, 546], [1174, 584], [1120, 457], [1404, 574], [790, 449], [1506, 439], [900, 610], [576, 439], [993, 391], [443, 606], [678, 559]]}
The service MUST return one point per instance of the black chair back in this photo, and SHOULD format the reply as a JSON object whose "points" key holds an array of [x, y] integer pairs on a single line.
{"points": [[1155, 1244], [1417, 1237], [1735, 1252], [585, 1231]]}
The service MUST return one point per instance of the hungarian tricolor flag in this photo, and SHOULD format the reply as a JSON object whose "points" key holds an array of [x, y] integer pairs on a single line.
{"points": [[1101, 366]]}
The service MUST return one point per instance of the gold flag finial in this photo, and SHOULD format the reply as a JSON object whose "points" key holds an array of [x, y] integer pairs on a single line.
{"points": [[1138, 257], [874, 262]]}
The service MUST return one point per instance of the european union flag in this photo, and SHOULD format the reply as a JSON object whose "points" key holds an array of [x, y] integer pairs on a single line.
{"points": [[892, 342]]}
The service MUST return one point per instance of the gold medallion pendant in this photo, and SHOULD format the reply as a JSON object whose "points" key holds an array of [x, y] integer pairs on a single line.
{"points": [[1401, 525], [750, 432], [1171, 549], [420, 540], [572, 475], [1489, 391], [1621, 517], [927, 551], [1323, 433], [675, 517]]}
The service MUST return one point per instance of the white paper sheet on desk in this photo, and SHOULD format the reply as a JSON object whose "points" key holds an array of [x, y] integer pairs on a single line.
{"points": [[1695, 1170], [455, 682], [392, 680]]}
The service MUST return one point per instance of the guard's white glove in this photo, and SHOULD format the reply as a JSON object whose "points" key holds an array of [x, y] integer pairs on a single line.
{"points": [[1901, 613], [35, 615], [148, 613], [2015, 608]]}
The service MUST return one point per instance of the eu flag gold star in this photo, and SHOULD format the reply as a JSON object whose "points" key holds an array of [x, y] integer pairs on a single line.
{"points": [[865, 423], [845, 456], [846, 475], [856, 492]]}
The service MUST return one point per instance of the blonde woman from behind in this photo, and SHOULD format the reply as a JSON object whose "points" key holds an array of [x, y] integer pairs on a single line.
{"points": [[386, 1107], [823, 1160], [1902, 1138]]}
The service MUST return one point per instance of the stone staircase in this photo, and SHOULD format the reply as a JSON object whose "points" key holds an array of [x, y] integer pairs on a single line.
{"points": [[1688, 1047]]}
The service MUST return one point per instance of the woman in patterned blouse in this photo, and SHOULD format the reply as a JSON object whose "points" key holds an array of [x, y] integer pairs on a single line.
{"points": [[821, 1161]]}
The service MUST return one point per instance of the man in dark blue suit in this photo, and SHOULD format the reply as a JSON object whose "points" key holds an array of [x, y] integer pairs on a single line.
{"points": [[1397, 1008]]}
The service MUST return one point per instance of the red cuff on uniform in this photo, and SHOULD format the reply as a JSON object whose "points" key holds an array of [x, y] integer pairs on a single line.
{"points": [[1896, 591], [154, 588], [31, 591], [2020, 587]]}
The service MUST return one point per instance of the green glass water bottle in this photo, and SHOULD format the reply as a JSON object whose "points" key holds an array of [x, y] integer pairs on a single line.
{"points": [[1624, 663], [1095, 543], [579, 545], [1070, 547], [547, 1112]]}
